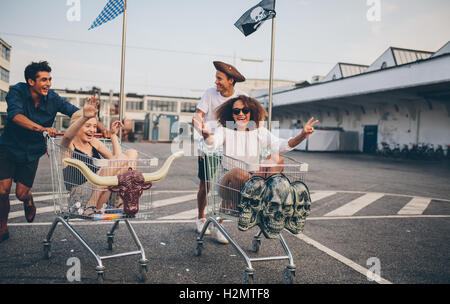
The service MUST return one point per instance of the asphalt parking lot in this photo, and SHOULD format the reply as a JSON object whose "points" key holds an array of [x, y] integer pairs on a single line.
{"points": [[368, 215]]}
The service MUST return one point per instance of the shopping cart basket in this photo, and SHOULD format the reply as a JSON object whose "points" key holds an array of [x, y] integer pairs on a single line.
{"points": [[86, 188], [248, 194]]}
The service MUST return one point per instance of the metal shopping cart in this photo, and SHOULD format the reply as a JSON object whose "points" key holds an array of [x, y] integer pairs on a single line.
{"points": [[248, 194], [86, 188]]}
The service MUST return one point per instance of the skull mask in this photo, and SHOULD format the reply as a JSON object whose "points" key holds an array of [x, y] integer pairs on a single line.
{"points": [[250, 203], [258, 14], [302, 208], [277, 205]]}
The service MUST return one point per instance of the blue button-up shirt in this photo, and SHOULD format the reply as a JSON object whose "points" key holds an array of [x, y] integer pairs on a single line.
{"points": [[27, 145]]}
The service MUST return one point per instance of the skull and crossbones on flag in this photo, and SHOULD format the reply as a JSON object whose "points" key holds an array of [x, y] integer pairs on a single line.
{"points": [[252, 19]]}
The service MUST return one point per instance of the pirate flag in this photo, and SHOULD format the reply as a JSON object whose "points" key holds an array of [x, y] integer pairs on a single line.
{"points": [[254, 17]]}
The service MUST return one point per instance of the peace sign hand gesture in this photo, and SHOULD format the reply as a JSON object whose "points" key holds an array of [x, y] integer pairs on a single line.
{"points": [[308, 129]]}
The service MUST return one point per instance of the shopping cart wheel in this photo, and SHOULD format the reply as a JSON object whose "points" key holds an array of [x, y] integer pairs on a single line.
{"points": [[47, 250], [256, 243], [110, 241], [247, 277], [289, 275], [100, 274], [198, 250], [143, 271]]}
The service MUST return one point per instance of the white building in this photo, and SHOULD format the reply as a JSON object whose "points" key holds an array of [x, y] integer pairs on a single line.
{"points": [[152, 117], [5, 58], [402, 98]]}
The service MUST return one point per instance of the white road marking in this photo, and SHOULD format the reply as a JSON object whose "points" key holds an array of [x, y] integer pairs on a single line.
{"points": [[318, 195], [355, 205], [174, 200], [374, 217], [186, 215], [416, 205], [38, 211], [341, 258], [35, 199], [181, 221]]}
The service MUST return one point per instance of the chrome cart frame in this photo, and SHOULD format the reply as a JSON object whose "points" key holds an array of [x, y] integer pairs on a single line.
{"points": [[216, 165], [65, 192]]}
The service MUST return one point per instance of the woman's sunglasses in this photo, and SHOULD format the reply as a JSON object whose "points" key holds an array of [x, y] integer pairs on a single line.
{"points": [[237, 111]]}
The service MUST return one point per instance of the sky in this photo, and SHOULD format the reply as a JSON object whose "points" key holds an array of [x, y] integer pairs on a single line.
{"points": [[171, 44]]}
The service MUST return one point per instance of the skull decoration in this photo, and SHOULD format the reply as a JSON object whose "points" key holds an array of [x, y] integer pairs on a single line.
{"points": [[302, 208], [258, 14], [250, 205], [278, 205]]}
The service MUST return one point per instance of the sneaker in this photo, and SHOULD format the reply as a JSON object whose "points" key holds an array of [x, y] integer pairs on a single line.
{"points": [[200, 223], [219, 236]]}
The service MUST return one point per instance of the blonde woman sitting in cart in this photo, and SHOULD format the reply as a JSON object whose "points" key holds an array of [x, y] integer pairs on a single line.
{"points": [[80, 139], [243, 136]]}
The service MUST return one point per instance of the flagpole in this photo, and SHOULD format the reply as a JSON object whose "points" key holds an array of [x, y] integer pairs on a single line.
{"points": [[271, 73], [122, 101]]}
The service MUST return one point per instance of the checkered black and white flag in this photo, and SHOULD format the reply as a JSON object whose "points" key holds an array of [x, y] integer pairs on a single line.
{"points": [[112, 9]]}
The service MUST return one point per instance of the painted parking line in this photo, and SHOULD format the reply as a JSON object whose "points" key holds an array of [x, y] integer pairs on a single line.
{"points": [[174, 200], [21, 213], [80, 222], [186, 215], [355, 205], [35, 199], [416, 205], [342, 259], [318, 195]]}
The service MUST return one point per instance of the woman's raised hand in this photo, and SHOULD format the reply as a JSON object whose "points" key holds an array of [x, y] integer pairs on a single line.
{"points": [[200, 126], [308, 129], [90, 108], [116, 126]]}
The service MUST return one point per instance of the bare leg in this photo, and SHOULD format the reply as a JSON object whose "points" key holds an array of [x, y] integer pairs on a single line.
{"points": [[101, 196], [275, 158], [201, 198]]}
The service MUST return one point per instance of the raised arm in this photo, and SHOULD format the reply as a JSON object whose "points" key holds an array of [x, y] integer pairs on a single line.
{"points": [[308, 129], [89, 111], [200, 127]]}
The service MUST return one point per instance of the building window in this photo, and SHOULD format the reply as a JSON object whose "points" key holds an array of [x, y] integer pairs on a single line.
{"points": [[135, 105], [6, 53], [4, 75], [3, 95], [384, 65]]}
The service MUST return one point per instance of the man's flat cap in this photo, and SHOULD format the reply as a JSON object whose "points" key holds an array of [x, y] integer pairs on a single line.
{"points": [[229, 70]]}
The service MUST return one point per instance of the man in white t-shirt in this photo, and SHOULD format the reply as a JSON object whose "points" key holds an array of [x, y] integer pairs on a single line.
{"points": [[226, 77]]}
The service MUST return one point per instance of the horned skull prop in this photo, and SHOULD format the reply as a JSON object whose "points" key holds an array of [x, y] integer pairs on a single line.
{"points": [[278, 204], [302, 208], [129, 184], [130, 188], [250, 203]]}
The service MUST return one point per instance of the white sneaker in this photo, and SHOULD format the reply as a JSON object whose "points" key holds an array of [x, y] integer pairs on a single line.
{"points": [[219, 236], [200, 223]]}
